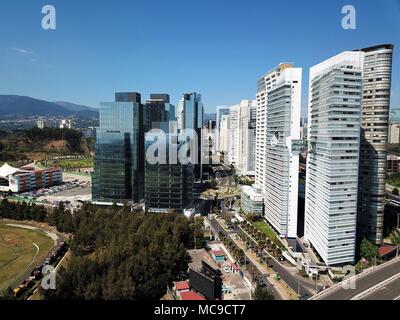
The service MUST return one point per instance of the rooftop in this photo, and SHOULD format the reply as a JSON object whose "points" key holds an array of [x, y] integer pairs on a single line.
{"points": [[191, 295], [182, 285]]}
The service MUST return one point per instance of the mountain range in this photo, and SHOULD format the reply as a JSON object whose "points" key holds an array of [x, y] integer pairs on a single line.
{"points": [[13, 106]]}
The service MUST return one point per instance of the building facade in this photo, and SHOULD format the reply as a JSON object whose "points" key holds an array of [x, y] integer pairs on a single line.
{"points": [[19, 180], [394, 133], [335, 95], [221, 112], [374, 140], [264, 85], [241, 138], [282, 128], [119, 159], [251, 201], [190, 117], [169, 185], [224, 137]]}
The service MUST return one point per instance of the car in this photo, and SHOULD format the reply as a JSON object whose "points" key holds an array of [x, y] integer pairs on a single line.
{"points": [[227, 270]]}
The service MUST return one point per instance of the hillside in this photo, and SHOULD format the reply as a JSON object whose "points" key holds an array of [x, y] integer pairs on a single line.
{"points": [[13, 106], [35, 144]]}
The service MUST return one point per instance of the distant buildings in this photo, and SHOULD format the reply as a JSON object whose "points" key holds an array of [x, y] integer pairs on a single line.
{"points": [[394, 133], [223, 136], [241, 138], [44, 123], [335, 96], [221, 112], [66, 124]]}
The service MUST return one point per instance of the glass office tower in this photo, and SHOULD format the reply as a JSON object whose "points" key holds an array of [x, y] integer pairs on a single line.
{"points": [[190, 116], [119, 160], [168, 186]]}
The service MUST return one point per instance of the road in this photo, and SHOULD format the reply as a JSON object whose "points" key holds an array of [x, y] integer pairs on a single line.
{"points": [[390, 291], [303, 288], [297, 283], [365, 281], [218, 228]]}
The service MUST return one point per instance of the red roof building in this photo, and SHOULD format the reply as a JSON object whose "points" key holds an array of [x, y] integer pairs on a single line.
{"points": [[191, 295], [385, 250], [182, 285]]}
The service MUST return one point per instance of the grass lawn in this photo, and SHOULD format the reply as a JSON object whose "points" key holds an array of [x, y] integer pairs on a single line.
{"points": [[17, 252], [268, 231], [78, 163]]}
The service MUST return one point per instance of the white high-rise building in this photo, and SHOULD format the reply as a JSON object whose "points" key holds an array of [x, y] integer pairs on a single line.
{"points": [[224, 134], [282, 128], [394, 133], [241, 145], [264, 85], [334, 112], [221, 111]]}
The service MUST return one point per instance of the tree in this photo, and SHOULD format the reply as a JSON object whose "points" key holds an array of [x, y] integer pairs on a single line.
{"points": [[262, 293], [395, 238], [369, 251]]}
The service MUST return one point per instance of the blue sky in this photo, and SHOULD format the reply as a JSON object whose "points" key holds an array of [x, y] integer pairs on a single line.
{"points": [[218, 48]]}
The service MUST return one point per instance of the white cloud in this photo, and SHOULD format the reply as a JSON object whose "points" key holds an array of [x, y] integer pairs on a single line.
{"points": [[23, 51]]}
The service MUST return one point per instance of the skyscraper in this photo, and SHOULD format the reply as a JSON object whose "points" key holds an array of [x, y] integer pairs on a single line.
{"points": [[119, 159], [190, 117], [281, 155], [169, 185], [221, 111], [264, 85], [334, 112], [374, 140], [241, 141], [224, 136]]}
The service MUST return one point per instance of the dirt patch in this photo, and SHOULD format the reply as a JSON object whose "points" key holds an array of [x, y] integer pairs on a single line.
{"points": [[57, 145]]}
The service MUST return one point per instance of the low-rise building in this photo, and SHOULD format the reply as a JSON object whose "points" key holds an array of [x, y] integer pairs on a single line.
{"points": [[251, 201], [393, 164], [20, 180]]}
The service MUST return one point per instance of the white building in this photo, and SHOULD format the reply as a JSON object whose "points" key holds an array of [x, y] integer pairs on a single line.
{"points": [[224, 135], [242, 118], [221, 112], [394, 133], [282, 128], [264, 85], [66, 124], [335, 96], [19, 180]]}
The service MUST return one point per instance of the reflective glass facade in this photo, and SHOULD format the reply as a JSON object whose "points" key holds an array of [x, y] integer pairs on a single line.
{"points": [[118, 163]]}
